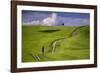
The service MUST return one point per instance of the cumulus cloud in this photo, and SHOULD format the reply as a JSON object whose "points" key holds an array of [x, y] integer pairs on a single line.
{"points": [[50, 20], [36, 22], [47, 21]]}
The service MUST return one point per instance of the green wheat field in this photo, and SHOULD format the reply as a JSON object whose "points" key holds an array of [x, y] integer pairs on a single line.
{"points": [[55, 43]]}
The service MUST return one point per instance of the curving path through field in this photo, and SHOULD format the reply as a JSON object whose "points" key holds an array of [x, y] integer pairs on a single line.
{"points": [[54, 42]]}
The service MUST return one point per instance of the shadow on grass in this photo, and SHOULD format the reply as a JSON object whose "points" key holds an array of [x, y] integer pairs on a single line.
{"points": [[49, 31]]}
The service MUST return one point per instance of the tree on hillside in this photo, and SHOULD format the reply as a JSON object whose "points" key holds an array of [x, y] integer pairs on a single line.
{"points": [[62, 24]]}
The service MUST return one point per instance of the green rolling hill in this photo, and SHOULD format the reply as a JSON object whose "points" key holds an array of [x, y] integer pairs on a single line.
{"points": [[55, 43]]}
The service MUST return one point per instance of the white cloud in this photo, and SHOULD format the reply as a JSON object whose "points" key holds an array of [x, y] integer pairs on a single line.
{"points": [[35, 22], [49, 21]]}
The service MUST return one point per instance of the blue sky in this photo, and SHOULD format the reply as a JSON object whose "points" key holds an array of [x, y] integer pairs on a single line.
{"points": [[55, 18]]}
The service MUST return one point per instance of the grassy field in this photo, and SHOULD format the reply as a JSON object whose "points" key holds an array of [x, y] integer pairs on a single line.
{"points": [[54, 43]]}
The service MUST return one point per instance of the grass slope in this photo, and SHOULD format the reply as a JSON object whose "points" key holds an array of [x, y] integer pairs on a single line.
{"points": [[70, 48]]}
